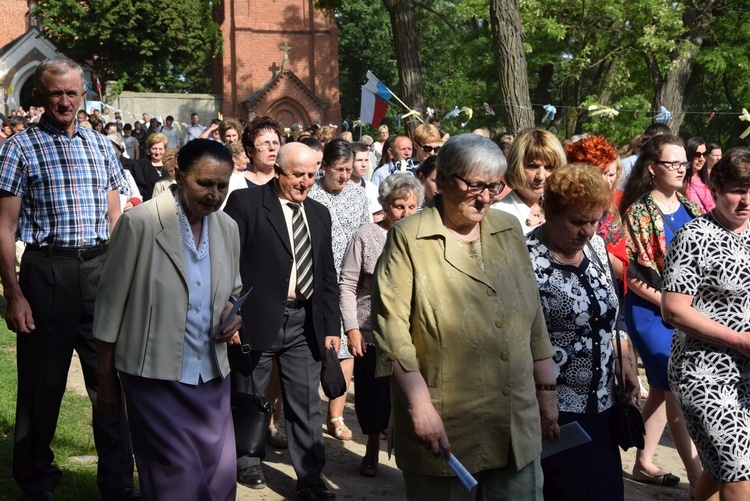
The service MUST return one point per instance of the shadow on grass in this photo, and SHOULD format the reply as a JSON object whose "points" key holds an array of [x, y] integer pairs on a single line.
{"points": [[74, 434]]}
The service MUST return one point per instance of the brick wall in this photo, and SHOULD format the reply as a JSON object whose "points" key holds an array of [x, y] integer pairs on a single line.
{"points": [[13, 15]]}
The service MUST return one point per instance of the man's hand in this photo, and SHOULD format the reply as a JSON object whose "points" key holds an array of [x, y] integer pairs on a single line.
{"points": [[333, 342], [18, 315], [109, 399]]}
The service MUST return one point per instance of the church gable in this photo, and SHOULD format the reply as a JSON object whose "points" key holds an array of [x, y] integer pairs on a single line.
{"points": [[288, 100]]}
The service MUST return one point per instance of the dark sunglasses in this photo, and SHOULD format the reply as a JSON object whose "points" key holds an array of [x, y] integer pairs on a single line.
{"points": [[430, 149], [702, 154]]}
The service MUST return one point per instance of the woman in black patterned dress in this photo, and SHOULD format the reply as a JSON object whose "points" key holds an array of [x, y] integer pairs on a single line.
{"points": [[706, 296], [579, 300]]}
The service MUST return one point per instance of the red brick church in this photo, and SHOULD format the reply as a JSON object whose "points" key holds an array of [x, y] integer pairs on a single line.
{"points": [[280, 59]]}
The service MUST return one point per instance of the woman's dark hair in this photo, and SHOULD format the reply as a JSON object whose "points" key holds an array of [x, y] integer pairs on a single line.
{"points": [[385, 158], [734, 167], [711, 147], [335, 150], [639, 182], [427, 167], [254, 129], [691, 148], [198, 149], [312, 143]]}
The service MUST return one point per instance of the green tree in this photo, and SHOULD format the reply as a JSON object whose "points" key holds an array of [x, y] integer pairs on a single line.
{"points": [[155, 46]]}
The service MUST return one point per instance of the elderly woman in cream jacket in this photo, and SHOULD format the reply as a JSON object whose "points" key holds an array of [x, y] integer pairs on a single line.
{"points": [[171, 269]]}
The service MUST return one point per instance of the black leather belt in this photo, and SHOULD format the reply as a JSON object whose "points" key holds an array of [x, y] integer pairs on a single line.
{"points": [[80, 253], [296, 305]]}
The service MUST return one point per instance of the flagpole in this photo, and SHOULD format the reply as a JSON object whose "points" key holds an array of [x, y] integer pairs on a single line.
{"points": [[404, 105]]}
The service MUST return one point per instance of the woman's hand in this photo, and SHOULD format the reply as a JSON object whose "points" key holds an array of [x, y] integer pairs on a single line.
{"points": [[356, 343], [430, 430], [632, 385], [230, 334], [549, 413]]}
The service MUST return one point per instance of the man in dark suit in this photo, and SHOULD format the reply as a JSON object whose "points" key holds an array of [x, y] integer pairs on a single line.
{"points": [[293, 315]]}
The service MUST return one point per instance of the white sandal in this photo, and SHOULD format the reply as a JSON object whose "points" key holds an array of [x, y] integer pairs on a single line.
{"points": [[341, 432]]}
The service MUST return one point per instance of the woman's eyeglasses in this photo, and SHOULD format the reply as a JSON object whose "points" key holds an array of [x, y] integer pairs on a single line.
{"points": [[702, 154], [266, 145], [476, 187], [673, 165]]}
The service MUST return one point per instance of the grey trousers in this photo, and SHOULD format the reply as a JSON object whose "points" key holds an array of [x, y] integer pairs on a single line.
{"points": [[300, 377]]}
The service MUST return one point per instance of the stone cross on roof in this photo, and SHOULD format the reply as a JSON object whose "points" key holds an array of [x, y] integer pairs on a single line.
{"points": [[286, 48]]}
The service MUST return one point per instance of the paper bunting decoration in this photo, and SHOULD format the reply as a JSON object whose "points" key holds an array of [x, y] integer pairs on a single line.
{"points": [[710, 116], [745, 117], [411, 113], [550, 113], [469, 113], [596, 110], [663, 116], [346, 125], [357, 123], [430, 112], [398, 119], [452, 113], [488, 109]]}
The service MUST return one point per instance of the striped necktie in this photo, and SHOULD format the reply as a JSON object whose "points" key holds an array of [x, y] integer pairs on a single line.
{"points": [[302, 252]]}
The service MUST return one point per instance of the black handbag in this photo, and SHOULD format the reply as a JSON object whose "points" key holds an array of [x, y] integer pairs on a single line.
{"points": [[331, 376], [251, 414], [627, 423]]}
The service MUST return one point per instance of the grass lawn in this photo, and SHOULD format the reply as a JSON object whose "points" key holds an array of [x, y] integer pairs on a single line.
{"points": [[74, 436]]}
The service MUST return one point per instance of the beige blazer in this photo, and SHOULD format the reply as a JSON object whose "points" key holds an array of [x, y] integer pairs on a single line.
{"points": [[142, 300]]}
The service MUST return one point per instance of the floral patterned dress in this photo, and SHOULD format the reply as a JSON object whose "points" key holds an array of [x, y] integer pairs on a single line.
{"points": [[349, 210]]}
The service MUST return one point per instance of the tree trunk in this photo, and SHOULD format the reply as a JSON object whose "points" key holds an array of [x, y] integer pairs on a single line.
{"points": [[404, 25], [507, 36], [670, 89]]}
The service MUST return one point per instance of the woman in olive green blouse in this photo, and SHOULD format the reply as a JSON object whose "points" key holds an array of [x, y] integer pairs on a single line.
{"points": [[460, 331]]}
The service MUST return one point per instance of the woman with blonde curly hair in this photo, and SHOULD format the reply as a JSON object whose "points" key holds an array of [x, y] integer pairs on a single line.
{"points": [[580, 302]]}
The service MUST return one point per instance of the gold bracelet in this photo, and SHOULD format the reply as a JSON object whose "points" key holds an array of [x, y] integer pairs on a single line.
{"points": [[546, 387]]}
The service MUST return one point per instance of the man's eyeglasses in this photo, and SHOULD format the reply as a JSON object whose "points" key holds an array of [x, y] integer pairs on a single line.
{"points": [[429, 149], [266, 145], [673, 165], [476, 187]]}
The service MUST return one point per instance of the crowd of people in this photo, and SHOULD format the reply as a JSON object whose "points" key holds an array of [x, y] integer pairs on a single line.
{"points": [[473, 290]]}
